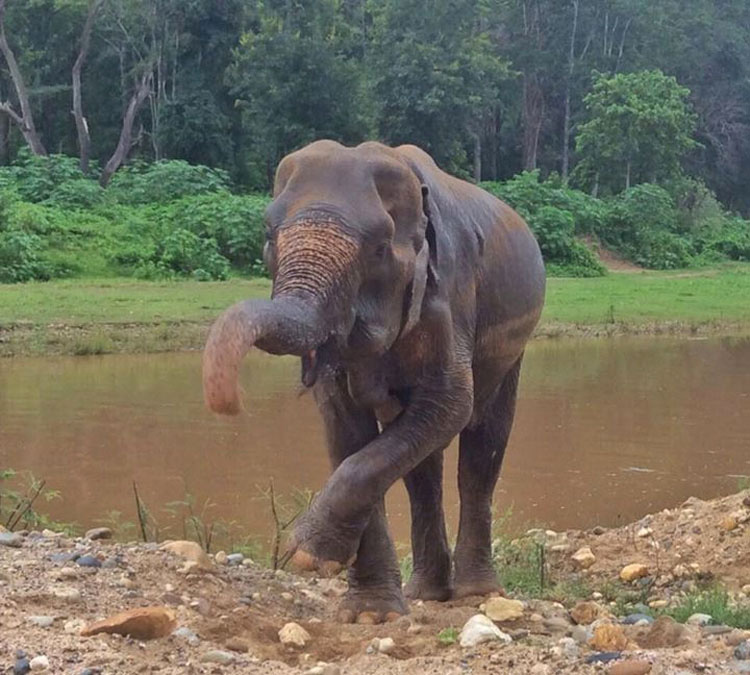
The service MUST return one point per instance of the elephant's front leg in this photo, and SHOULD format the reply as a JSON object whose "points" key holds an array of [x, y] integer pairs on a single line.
{"points": [[329, 533], [374, 593]]}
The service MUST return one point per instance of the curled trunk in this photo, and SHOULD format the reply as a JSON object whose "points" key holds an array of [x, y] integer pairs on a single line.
{"points": [[279, 326]]}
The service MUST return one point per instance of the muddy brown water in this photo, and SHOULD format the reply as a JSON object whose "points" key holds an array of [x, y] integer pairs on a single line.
{"points": [[606, 431]]}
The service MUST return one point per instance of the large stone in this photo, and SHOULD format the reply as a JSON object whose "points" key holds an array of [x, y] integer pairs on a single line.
{"points": [[293, 634], [699, 619], [479, 629], [503, 609], [585, 613], [218, 656], [608, 638], [11, 539], [583, 558], [630, 668], [38, 663], [665, 632], [190, 551], [144, 623], [633, 571], [99, 533]]}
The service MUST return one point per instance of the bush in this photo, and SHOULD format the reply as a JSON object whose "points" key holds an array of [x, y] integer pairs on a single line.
{"points": [[19, 257], [185, 253], [36, 178], [164, 181], [555, 214]]}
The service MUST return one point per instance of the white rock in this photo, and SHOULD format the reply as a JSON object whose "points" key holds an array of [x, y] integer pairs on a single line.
{"points": [[187, 635], [699, 619], [386, 645], [218, 656], [67, 593], [40, 662], [479, 629], [293, 634], [74, 626], [645, 532], [221, 558], [42, 621]]}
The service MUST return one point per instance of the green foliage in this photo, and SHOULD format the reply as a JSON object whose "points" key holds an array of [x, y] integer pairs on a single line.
{"points": [[165, 181], [37, 178], [717, 603], [448, 636], [640, 126], [20, 257], [20, 494]]}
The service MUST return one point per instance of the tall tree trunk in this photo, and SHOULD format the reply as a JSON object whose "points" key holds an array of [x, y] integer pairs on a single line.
{"points": [[4, 138], [533, 115], [24, 120], [476, 139], [627, 176], [82, 126], [126, 133], [568, 84]]}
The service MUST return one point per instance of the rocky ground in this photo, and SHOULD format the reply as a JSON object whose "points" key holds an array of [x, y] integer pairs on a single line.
{"points": [[225, 614]]}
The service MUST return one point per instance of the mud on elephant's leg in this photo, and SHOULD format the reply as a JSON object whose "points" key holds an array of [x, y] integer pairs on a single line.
{"points": [[431, 578], [480, 458]]}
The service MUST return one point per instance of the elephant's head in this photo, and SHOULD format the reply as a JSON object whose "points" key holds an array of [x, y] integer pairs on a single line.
{"points": [[348, 247]]}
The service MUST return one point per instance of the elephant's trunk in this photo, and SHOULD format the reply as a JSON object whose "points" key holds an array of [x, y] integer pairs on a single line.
{"points": [[314, 273]]}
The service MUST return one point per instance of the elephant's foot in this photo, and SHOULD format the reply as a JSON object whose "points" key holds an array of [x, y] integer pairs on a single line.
{"points": [[475, 581], [422, 586], [372, 605], [323, 546]]}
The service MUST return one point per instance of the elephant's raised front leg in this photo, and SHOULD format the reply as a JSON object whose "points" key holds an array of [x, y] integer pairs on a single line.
{"points": [[374, 593], [329, 533]]}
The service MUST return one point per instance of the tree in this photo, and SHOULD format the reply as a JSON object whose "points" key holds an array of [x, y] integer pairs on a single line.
{"points": [[436, 74], [639, 129], [25, 119]]}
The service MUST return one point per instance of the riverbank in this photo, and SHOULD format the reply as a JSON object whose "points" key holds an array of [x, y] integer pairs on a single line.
{"points": [[666, 594], [82, 316]]}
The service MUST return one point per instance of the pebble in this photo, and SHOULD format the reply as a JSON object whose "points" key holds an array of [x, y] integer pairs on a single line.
{"points": [[581, 634], [479, 629], [67, 573], [603, 657], [42, 621], [221, 558], [735, 637], [287, 596], [567, 648], [716, 630], [324, 669], [585, 613], [503, 609], [237, 644], [190, 551], [187, 635], [583, 558], [89, 561], [637, 619], [386, 645], [645, 532], [235, 559], [99, 533], [218, 656], [40, 662], [21, 666], [11, 539], [293, 634], [63, 558], [633, 571], [742, 651], [699, 619], [630, 668], [67, 594], [608, 638]]}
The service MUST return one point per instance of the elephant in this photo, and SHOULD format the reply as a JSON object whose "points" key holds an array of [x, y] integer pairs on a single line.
{"points": [[410, 296]]}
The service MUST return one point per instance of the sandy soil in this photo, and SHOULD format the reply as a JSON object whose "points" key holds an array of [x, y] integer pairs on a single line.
{"points": [[240, 609]]}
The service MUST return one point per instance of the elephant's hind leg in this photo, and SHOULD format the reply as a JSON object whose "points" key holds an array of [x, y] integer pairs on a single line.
{"points": [[480, 457], [431, 578], [374, 593]]}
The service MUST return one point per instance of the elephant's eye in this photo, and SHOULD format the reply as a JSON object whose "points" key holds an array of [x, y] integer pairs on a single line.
{"points": [[380, 251]]}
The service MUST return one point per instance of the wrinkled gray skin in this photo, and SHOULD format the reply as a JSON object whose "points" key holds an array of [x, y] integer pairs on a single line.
{"points": [[409, 296]]}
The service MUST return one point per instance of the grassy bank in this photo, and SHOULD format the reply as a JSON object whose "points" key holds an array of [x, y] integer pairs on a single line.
{"points": [[123, 315]]}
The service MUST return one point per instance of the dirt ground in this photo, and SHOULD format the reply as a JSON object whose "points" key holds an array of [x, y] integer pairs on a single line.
{"points": [[47, 597]]}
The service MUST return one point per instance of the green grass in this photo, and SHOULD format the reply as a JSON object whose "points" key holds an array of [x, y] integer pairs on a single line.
{"points": [[694, 297], [714, 602], [95, 316]]}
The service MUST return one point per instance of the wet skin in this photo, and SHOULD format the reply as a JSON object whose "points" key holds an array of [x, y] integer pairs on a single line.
{"points": [[409, 296]]}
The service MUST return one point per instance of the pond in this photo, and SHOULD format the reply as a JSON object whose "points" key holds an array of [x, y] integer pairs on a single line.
{"points": [[606, 431]]}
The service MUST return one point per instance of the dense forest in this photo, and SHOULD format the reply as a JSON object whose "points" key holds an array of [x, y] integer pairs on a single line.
{"points": [[589, 116]]}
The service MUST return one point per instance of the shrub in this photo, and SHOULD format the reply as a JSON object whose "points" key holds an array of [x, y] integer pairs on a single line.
{"points": [[36, 178], [165, 181], [20, 257], [80, 193], [184, 252]]}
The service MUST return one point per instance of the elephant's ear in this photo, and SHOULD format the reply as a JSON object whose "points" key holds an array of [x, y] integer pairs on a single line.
{"points": [[425, 268]]}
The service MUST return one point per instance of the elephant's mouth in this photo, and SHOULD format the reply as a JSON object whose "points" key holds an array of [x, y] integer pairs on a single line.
{"points": [[315, 361]]}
